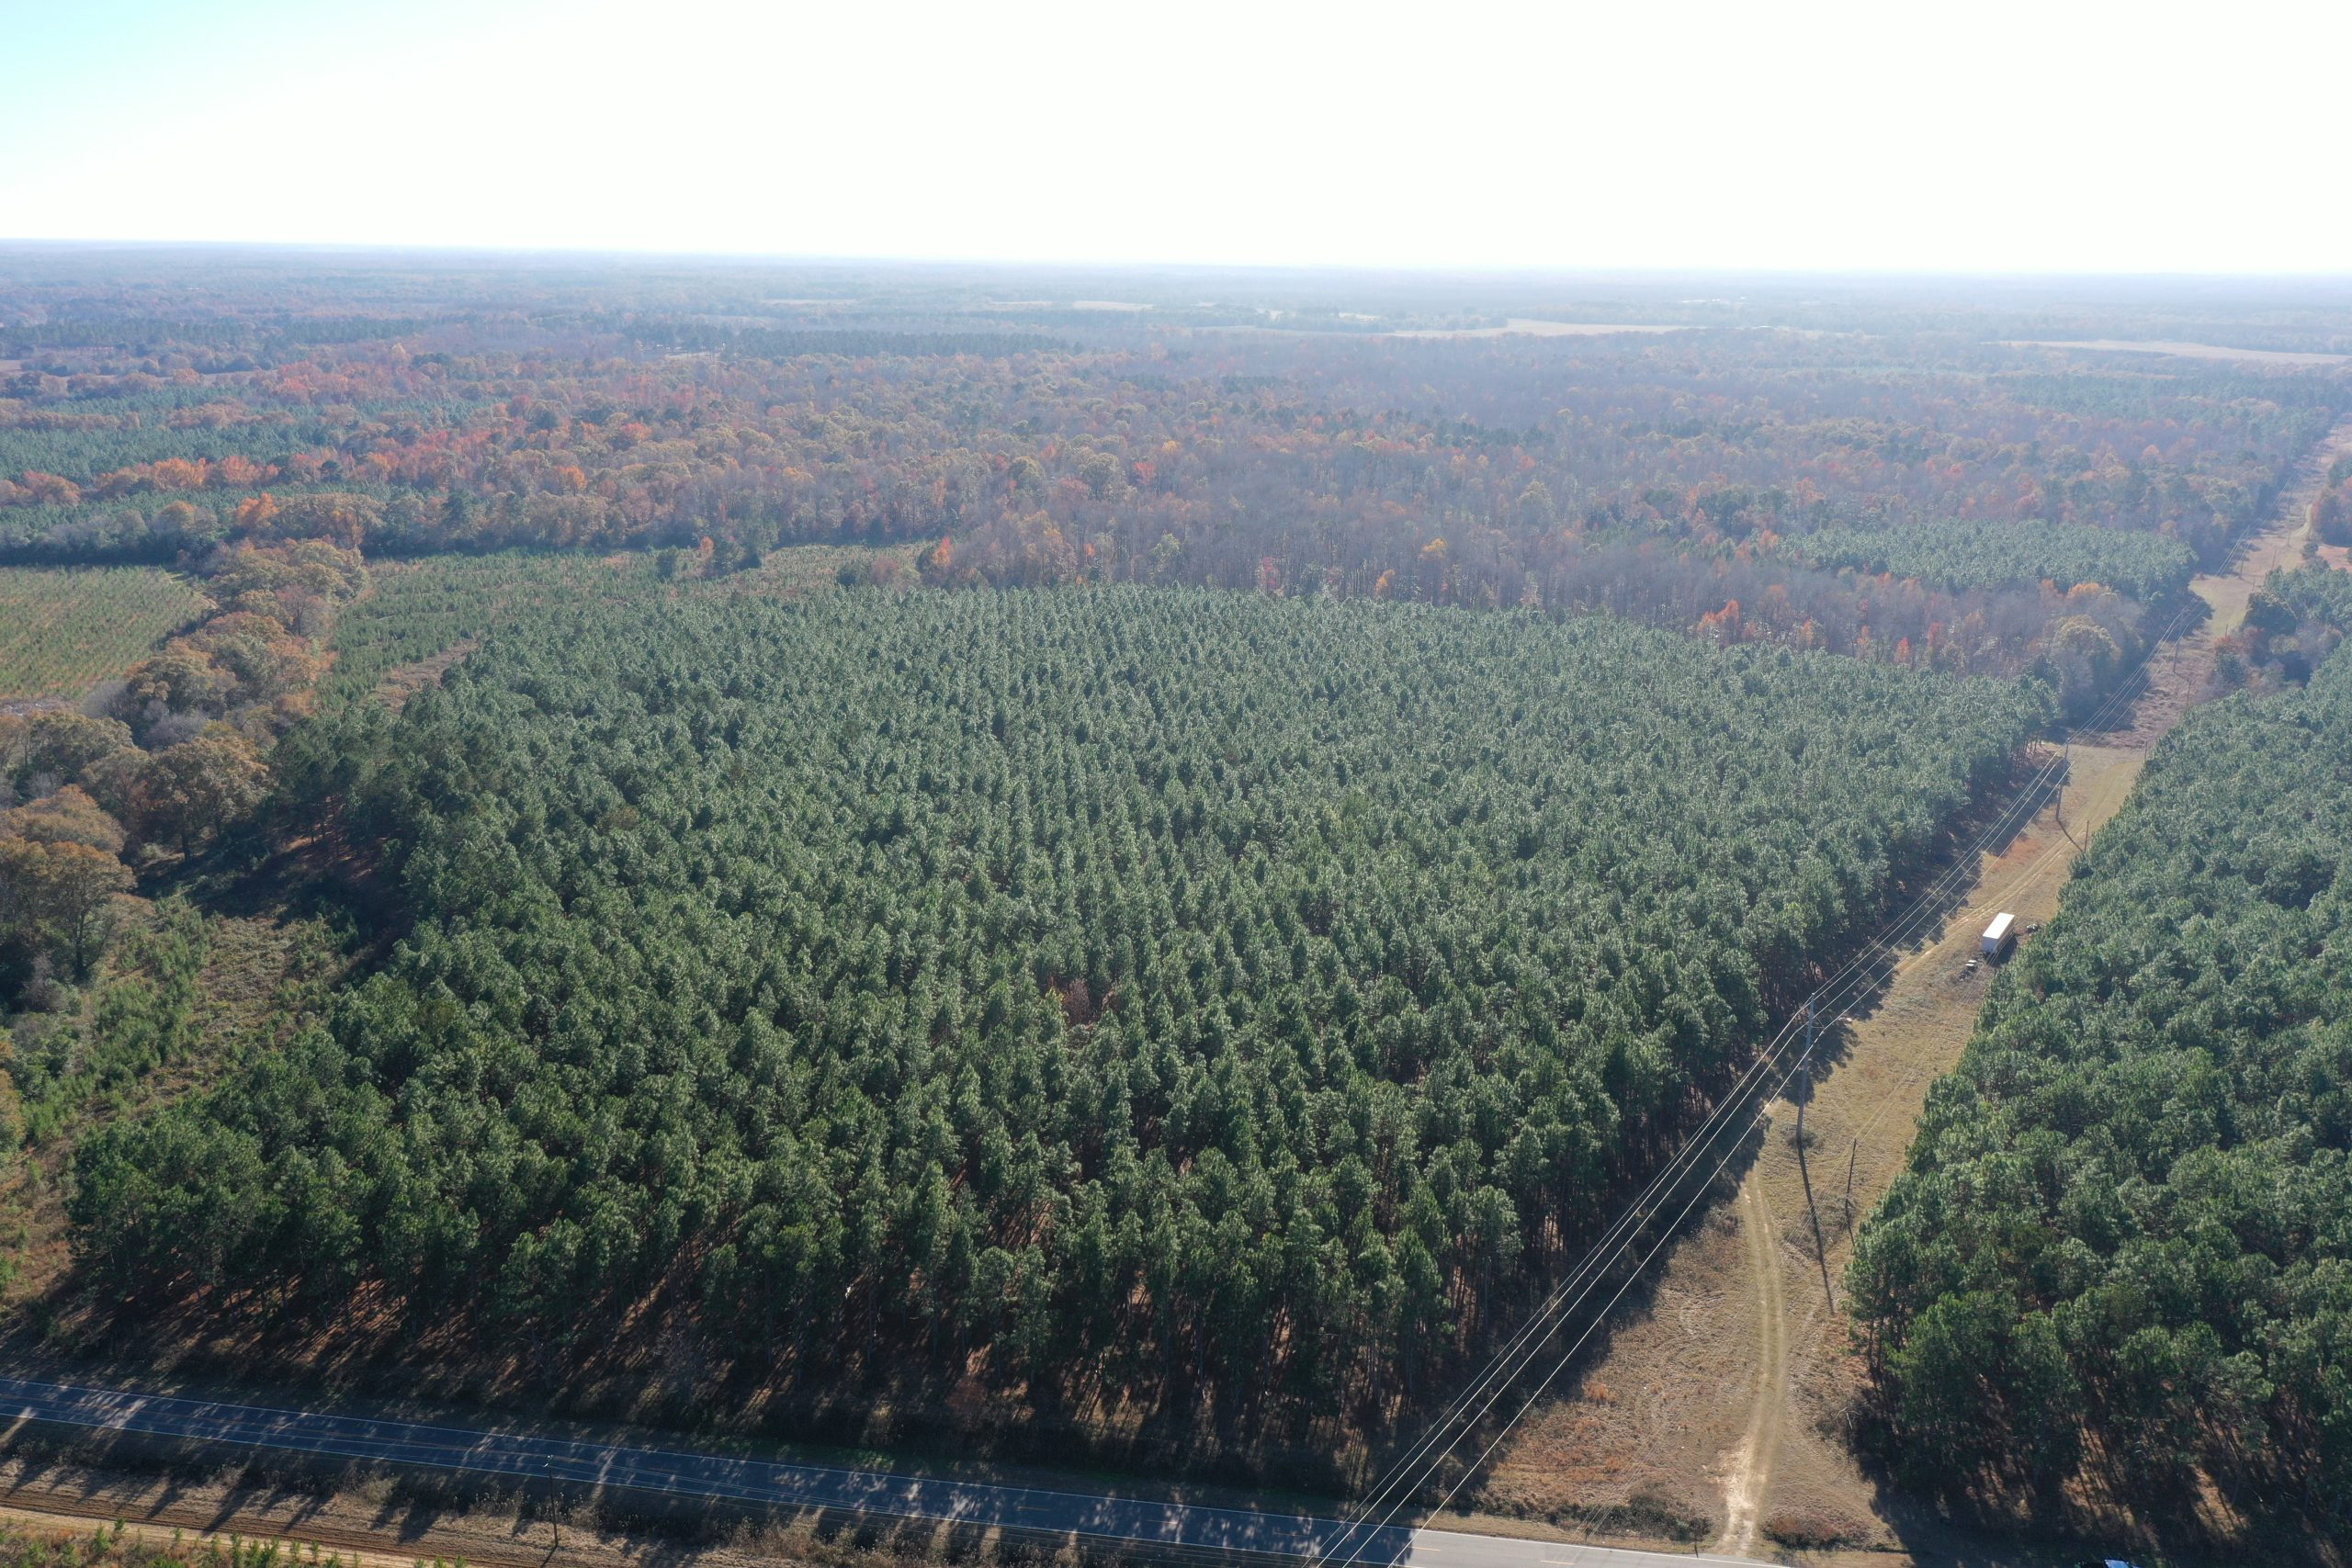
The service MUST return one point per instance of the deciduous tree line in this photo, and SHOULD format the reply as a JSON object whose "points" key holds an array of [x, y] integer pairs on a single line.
{"points": [[1497, 471], [158, 763]]}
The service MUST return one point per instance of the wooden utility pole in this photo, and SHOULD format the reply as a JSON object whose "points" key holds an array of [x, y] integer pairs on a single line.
{"points": [[1805, 1072], [1804, 1172]]}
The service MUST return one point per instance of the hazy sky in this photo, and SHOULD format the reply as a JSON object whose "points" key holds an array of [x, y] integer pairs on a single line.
{"points": [[1896, 134]]}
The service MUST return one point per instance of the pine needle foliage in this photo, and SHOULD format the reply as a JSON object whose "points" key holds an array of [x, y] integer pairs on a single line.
{"points": [[1197, 995]]}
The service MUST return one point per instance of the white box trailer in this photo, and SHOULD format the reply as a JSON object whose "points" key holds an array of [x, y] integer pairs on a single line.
{"points": [[1999, 937]]}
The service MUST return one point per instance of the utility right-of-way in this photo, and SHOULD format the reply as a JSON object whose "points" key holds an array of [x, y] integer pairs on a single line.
{"points": [[1153, 1526]]}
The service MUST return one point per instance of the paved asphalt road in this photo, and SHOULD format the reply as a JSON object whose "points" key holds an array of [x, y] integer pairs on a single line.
{"points": [[1142, 1522]]}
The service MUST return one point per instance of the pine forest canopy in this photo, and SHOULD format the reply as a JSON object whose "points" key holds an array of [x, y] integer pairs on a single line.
{"points": [[1958, 553], [1227, 1002]]}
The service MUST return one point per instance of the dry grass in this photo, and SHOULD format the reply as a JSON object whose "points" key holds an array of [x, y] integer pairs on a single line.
{"points": [[402, 682]]}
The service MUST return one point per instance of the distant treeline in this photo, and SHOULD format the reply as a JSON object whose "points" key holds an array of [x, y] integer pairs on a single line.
{"points": [[159, 334], [1957, 553], [1684, 481], [775, 343]]}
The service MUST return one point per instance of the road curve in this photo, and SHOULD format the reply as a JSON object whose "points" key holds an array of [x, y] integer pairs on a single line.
{"points": [[1140, 1522]]}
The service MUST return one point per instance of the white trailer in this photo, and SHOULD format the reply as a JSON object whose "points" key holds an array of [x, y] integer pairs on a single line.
{"points": [[1999, 937]]}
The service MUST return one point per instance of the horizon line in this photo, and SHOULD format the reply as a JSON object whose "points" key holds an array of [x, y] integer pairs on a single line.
{"points": [[1496, 270]]}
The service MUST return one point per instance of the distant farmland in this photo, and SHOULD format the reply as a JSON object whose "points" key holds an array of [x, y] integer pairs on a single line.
{"points": [[62, 629]]}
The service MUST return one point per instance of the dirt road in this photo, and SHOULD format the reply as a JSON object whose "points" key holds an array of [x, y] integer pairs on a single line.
{"points": [[1753, 1463], [1725, 1403]]}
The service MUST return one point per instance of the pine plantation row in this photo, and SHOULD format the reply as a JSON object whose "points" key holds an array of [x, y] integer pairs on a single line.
{"points": [[1208, 1000]]}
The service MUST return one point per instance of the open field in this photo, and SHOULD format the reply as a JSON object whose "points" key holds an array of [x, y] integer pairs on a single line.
{"points": [[2190, 351], [62, 629], [1530, 327]]}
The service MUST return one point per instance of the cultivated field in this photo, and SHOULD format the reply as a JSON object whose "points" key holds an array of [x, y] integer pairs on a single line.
{"points": [[61, 630]]}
